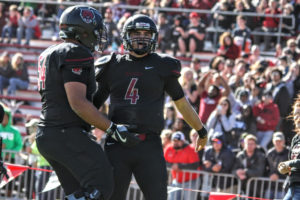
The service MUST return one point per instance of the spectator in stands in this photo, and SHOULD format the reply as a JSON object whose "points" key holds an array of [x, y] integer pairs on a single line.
{"points": [[255, 54], [292, 80], [2, 16], [196, 66], [6, 71], [222, 20], [210, 93], [170, 116], [166, 136], [267, 117], [277, 154], [12, 140], [250, 162], [218, 158], [280, 95], [217, 63], [188, 84], [193, 38], [291, 49], [269, 25], [180, 156], [287, 23], [221, 121], [112, 31], [164, 33], [29, 24], [227, 72], [227, 47], [122, 20], [20, 78], [177, 31], [236, 80], [244, 122], [241, 100], [12, 24], [242, 34]]}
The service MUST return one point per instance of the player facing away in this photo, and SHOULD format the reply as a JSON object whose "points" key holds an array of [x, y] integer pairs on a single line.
{"points": [[66, 84], [136, 83]]}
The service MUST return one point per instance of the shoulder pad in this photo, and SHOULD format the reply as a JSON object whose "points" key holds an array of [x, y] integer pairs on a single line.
{"points": [[101, 64], [171, 66]]}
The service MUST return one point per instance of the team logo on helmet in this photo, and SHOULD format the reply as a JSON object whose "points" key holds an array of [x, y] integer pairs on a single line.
{"points": [[142, 25], [87, 15]]}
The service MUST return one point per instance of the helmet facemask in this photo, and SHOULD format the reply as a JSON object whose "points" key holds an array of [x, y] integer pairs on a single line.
{"points": [[101, 39]]}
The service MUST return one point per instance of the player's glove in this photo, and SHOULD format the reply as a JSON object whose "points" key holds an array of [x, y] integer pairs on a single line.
{"points": [[201, 139], [122, 135]]}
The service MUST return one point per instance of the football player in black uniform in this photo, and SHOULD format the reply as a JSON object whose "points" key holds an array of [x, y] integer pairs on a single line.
{"points": [[66, 84], [136, 83]]}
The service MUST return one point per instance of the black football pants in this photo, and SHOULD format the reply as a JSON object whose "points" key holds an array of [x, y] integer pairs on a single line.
{"points": [[146, 161], [78, 161]]}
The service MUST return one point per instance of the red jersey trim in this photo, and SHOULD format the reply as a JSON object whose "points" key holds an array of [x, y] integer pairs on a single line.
{"points": [[80, 59]]}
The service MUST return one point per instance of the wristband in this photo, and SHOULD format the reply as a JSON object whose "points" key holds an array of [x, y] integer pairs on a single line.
{"points": [[112, 127], [202, 132]]}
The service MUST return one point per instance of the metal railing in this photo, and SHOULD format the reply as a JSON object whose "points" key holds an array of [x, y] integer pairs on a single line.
{"points": [[198, 184]]}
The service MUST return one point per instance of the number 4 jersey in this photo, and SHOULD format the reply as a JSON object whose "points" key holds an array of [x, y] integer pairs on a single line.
{"points": [[57, 65], [137, 87]]}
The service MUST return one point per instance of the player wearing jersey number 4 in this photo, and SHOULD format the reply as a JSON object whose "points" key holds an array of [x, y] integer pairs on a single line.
{"points": [[136, 83]]}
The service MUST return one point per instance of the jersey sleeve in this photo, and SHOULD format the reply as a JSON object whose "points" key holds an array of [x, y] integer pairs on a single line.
{"points": [[77, 64], [171, 73], [170, 67]]}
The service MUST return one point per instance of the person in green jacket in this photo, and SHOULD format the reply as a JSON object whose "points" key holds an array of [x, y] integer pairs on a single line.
{"points": [[11, 137]]}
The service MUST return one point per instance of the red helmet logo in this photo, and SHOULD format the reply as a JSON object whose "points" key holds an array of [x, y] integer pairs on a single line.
{"points": [[87, 15]]}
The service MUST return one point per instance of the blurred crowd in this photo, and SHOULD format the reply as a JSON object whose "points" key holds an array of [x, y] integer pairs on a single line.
{"points": [[243, 97]]}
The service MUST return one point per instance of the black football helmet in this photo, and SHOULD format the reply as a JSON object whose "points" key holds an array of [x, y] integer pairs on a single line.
{"points": [[84, 24], [140, 22]]}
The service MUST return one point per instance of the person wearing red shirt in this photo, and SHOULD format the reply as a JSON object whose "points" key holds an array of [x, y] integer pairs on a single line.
{"points": [[267, 117], [269, 24], [181, 156], [227, 47], [12, 24]]}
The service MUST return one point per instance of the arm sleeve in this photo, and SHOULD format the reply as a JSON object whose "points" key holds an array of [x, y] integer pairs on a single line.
{"points": [[173, 88]]}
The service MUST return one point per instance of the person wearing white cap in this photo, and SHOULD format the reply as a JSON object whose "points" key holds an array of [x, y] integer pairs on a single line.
{"points": [[181, 156], [278, 153]]}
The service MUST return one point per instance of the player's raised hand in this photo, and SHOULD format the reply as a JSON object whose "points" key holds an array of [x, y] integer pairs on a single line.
{"points": [[201, 139], [122, 135]]}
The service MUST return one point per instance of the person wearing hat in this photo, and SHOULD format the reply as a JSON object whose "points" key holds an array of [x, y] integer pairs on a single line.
{"points": [[181, 156], [193, 37], [218, 158], [278, 153]]}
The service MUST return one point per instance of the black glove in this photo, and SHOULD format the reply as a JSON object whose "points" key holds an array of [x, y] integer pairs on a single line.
{"points": [[202, 132], [122, 135], [3, 170]]}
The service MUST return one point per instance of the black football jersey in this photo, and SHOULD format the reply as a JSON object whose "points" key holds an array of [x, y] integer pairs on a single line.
{"points": [[137, 87], [58, 64]]}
